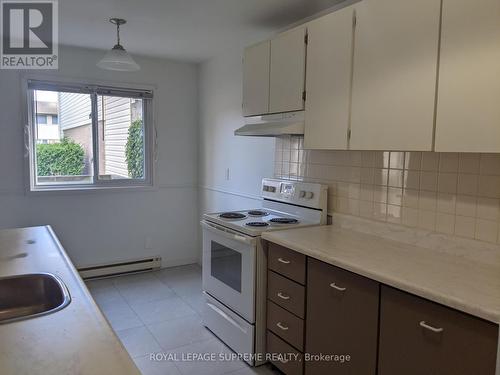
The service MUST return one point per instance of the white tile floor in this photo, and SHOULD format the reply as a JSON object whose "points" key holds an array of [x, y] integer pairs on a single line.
{"points": [[159, 312]]}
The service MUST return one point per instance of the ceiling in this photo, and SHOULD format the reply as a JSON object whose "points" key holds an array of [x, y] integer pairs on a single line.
{"points": [[191, 30]]}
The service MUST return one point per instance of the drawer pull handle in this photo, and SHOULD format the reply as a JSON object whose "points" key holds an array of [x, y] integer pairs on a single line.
{"points": [[423, 324], [284, 261], [283, 296], [281, 326], [336, 287]]}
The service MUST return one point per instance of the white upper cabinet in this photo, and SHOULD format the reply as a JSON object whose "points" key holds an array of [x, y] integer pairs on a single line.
{"points": [[328, 84], [256, 65], [288, 59], [395, 73], [468, 110]]}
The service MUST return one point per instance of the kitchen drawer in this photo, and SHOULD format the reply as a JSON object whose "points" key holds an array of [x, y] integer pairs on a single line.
{"points": [[288, 359], [421, 337], [342, 318], [285, 325], [287, 262], [286, 293]]}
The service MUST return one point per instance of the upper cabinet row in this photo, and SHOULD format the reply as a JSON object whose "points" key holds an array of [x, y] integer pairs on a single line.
{"points": [[386, 75]]}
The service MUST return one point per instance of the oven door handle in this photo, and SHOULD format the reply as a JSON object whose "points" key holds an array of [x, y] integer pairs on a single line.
{"points": [[228, 233], [227, 317]]}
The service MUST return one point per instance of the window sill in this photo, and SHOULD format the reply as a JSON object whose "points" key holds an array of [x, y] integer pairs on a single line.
{"points": [[61, 190]]}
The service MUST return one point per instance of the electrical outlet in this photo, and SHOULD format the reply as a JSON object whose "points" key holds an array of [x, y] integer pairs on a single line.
{"points": [[148, 243]]}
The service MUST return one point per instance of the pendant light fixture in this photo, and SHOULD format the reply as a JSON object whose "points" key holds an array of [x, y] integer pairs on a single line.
{"points": [[118, 58]]}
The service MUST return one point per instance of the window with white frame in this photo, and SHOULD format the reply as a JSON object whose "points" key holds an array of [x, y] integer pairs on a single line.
{"points": [[89, 136]]}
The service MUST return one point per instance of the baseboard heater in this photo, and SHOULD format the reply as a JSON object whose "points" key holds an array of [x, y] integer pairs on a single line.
{"points": [[122, 268]]}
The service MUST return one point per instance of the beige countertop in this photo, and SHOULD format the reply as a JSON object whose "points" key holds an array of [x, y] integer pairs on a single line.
{"points": [[468, 283], [74, 340]]}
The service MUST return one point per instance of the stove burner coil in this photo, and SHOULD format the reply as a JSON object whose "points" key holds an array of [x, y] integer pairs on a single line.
{"points": [[258, 224], [284, 220], [258, 213], [232, 215]]}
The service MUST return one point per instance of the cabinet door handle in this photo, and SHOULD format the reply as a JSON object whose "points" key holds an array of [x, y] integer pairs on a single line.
{"points": [[423, 324], [283, 296], [336, 287], [281, 326], [284, 261]]}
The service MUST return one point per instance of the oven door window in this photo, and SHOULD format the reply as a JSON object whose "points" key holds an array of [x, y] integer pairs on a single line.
{"points": [[226, 265]]}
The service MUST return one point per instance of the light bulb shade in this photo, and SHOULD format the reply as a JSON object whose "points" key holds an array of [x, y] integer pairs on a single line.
{"points": [[118, 59]]}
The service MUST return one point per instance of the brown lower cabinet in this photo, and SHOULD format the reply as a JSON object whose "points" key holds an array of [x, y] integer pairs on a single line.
{"points": [[384, 331], [419, 337], [285, 325], [286, 293], [285, 357], [342, 320]]}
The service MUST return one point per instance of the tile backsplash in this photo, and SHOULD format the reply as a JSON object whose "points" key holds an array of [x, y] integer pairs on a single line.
{"points": [[452, 193]]}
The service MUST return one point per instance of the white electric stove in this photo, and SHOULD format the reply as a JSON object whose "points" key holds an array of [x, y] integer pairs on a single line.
{"points": [[234, 260]]}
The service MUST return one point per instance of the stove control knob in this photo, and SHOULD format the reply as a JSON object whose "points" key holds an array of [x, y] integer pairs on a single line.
{"points": [[302, 194], [309, 195], [265, 188], [272, 189]]}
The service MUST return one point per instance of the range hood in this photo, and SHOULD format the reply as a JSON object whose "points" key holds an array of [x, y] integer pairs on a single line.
{"points": [[291, 123]]}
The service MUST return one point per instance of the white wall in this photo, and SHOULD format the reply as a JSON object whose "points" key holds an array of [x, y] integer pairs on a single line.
{"points": [[112, 226], [249, 159]]}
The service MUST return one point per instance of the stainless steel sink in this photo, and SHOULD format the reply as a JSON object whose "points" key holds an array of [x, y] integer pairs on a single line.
{"points": [[32, 295]]}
